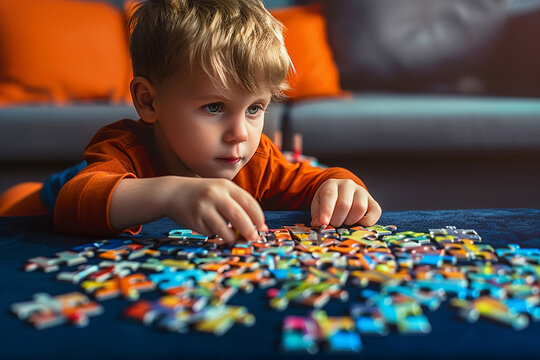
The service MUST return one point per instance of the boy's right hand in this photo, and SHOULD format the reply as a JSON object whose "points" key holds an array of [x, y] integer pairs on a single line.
{"points": [[208, 206]]}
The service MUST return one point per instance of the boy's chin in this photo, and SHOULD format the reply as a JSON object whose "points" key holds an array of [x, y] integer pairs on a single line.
{"points": [[228, 174]]}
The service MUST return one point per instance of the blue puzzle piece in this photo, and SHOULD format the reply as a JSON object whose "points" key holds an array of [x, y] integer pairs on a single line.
{"points": [[186, 234], [525, 306], [370, 325], [516, 250], [168, 278], [432, 259], [290, 273], [296, 341], [344, 341]]}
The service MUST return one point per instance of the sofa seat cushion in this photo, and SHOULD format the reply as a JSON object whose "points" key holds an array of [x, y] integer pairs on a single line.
{"points": [[401, 124], [54, 133]]}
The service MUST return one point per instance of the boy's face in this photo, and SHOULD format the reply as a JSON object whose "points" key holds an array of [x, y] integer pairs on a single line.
{"points": [[204, 131]]}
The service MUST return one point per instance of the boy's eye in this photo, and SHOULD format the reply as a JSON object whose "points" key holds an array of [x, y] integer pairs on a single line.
{"points": [[214, 108], [254, 110]]}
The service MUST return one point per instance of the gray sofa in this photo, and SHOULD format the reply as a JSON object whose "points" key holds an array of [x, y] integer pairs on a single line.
{"points": [[430, 84], [426, 80], [406, 95]]}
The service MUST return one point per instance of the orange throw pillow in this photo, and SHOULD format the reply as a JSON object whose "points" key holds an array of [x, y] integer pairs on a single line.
{"points": [[306, 40], [61, 51]]}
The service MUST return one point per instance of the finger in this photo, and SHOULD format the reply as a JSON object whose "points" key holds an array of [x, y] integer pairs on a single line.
{"points": [[315, 221], [373, 213], [215, 222], [359, 207], [344, 203], [202, 228], [327, 196], [315, 211], [315, 215], [252, 208], [239, 219], [197, 225]]}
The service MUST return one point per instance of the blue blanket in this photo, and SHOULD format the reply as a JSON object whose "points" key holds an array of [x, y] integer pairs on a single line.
{"points": [[112, 336]]}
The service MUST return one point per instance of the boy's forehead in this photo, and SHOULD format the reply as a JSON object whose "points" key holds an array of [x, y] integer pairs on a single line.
{"points": [[202, 85]]}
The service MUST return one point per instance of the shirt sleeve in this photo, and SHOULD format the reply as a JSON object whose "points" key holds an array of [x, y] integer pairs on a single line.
{"points": [[82, 206], [280, 185]]}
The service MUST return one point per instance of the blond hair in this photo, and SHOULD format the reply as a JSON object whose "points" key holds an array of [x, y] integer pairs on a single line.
{"points": [[231, 40]]}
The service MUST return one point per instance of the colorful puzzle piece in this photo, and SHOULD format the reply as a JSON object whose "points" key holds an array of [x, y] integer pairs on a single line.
{"points": [[67, 258], [45, 311], [128, 286], [304, 334]]}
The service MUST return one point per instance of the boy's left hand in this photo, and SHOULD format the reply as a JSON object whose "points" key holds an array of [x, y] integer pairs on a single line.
{"points": [[340, 202]]}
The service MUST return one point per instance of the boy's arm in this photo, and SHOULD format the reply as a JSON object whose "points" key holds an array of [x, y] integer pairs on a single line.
{"points": [[99, 204], [204, 205], [82, 204], [137, 201], [279, 185], [335, 195]]}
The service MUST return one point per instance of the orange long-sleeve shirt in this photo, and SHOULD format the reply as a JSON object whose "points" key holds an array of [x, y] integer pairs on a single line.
{"points": [[125, 149]]}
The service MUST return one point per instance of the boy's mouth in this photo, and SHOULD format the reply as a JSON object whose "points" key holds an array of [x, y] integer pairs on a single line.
{"points": [[230, 159]]}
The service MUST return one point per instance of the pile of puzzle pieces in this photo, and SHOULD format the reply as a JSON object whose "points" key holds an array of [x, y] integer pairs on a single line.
{"points": [[400, 274]]}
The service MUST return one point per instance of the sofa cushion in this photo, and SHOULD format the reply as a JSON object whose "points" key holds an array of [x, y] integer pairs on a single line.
{"points": [[413, 124], [54, 133], [60, 51], [410, 45], [306, 41]]}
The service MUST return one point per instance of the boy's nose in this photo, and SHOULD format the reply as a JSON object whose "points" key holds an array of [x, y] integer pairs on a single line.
{"points": [[236, 131]]}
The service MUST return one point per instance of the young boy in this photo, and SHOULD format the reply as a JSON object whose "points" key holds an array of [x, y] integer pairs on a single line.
{"points": [[204, 73]]}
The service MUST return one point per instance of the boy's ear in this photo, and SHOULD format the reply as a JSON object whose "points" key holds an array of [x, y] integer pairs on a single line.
{"points": [[143, 95]]}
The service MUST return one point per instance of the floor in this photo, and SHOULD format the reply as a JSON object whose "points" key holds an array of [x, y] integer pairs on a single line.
{"points": [[406, 184]]}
